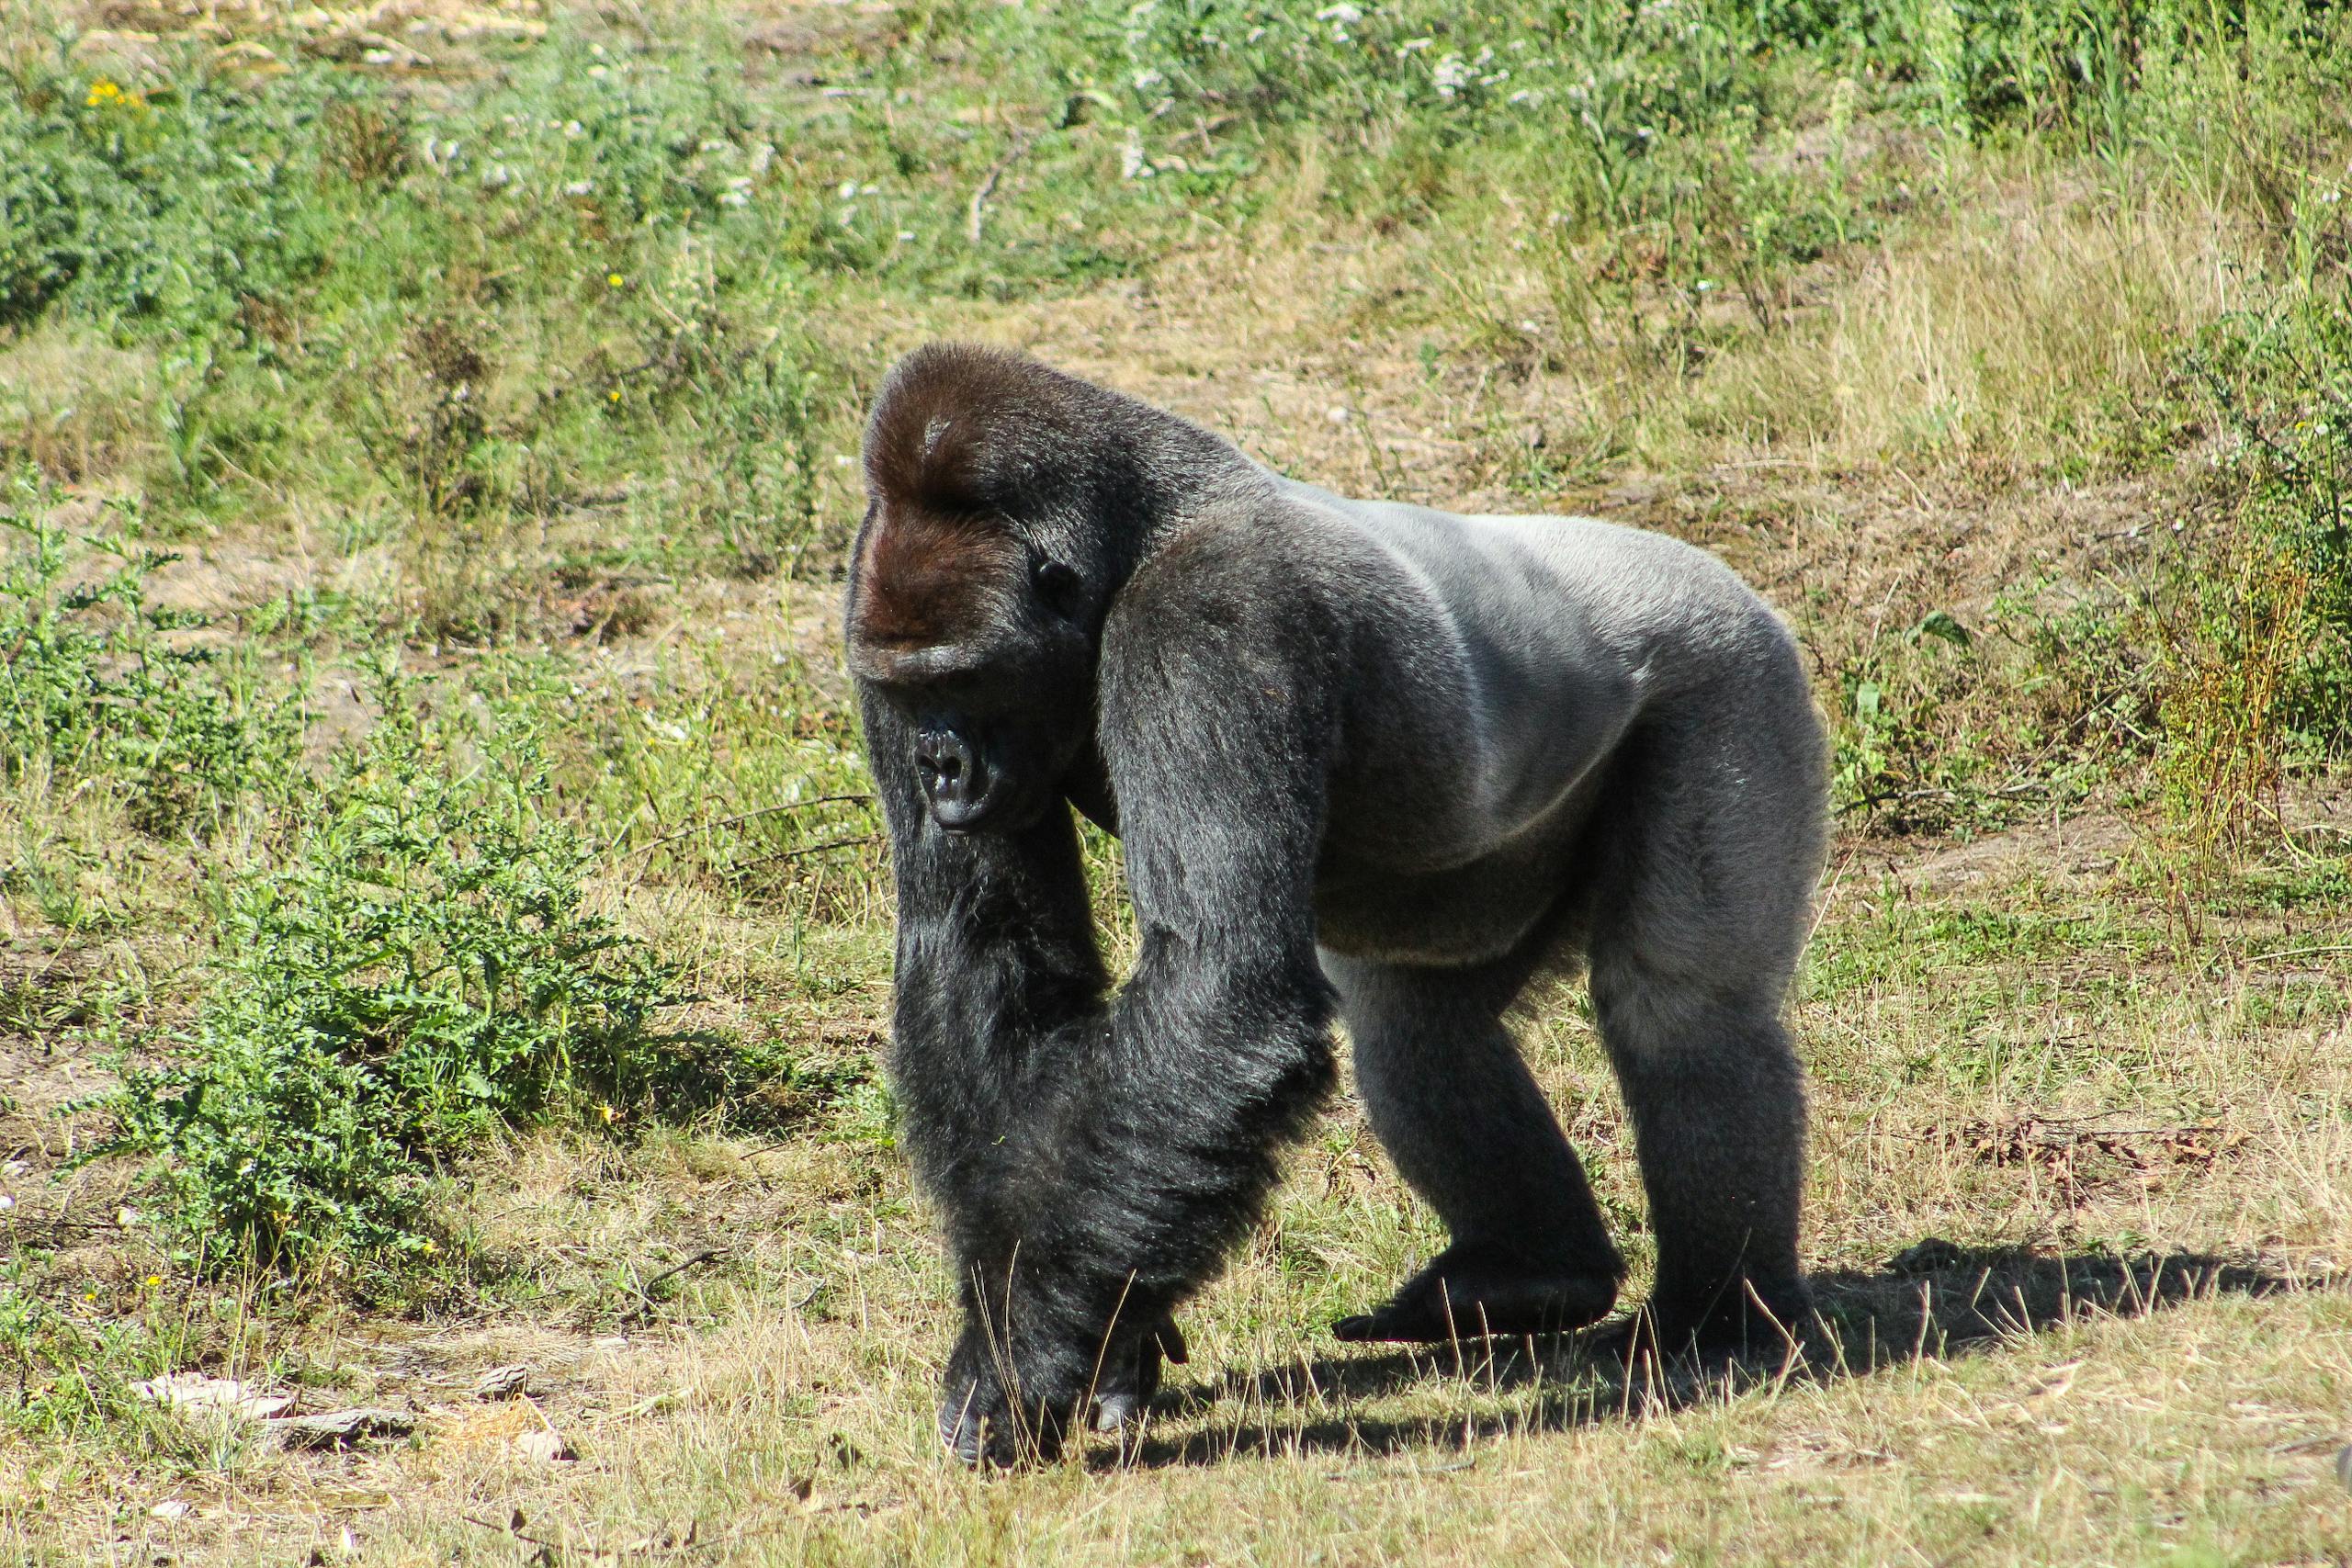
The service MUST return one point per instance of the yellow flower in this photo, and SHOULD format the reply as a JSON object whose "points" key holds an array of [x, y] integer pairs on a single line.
{"points": [[154, 1279], [430, 1247], [607, 1112], [614, 394], [102, 91], [615, 278]]}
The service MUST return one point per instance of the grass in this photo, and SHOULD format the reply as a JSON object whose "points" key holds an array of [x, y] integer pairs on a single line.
{"points": [[512, 357]]}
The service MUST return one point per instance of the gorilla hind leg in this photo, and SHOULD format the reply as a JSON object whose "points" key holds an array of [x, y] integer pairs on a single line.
{"points": [[1717, 1103], [1454, 1106], [1700, 896]]}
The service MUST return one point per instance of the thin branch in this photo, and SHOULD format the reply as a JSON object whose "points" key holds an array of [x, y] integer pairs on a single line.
{"points": [[807, 851], [977, 213], [2298, 953], [736, 821]]}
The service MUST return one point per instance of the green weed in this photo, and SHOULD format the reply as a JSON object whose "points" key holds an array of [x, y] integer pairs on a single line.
{"points": [[420, 975], [2255, 622], [101, 686]]}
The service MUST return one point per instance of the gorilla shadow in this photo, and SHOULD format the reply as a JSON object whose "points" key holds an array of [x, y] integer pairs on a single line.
{"points": [[1935, 1300]]}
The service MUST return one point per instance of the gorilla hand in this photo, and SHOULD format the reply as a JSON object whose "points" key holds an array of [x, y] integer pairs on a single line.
{"points": [[1124, 1393], [983, 1422]]}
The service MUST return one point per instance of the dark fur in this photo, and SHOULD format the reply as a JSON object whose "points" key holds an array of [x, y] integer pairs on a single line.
{"points": [[1063, 596]]}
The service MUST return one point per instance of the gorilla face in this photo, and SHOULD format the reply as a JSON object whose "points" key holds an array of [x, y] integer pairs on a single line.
{"points": [[979, 645], [984, 763]]}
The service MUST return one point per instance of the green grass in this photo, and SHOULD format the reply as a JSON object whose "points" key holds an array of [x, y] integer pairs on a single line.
{"points": [[422, 730]]}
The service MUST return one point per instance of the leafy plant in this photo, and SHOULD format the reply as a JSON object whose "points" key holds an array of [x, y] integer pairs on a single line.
{"points": [[2256, 623], [420, 974], [99, 684]]}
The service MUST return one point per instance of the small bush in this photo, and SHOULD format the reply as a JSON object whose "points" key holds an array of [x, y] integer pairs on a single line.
{"points": [[420, 974], [2256, 622], [98, 683], [64, 1377]]}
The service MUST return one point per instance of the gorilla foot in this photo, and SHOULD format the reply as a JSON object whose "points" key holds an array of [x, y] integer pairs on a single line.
{"points": [[1471, 1295]]}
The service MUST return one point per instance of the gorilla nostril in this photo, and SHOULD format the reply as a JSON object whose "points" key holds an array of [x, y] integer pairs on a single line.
{"points": [[946, 762]]}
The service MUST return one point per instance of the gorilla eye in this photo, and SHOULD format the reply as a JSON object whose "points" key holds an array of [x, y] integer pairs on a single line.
{"points": [[1057, 584]]}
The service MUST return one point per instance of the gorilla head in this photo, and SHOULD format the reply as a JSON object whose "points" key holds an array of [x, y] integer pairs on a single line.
{"points": [[980, 579]]}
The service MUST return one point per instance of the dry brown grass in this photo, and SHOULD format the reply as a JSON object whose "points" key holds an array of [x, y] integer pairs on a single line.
{"points": [[2125, 1158]]}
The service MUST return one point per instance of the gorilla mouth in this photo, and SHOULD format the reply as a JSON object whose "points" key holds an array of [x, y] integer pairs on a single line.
{"points": [[962, 813]]}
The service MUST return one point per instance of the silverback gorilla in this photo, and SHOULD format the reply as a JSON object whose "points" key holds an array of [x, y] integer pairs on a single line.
{"points": [[1366, 759]]}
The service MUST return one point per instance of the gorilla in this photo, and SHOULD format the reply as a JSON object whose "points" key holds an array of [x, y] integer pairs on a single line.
{"points": [[1368, 761]]}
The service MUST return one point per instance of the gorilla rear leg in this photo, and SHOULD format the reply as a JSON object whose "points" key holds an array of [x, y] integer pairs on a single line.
{"points": [[1454, 1106], [1717, 1103], [1701, 895]]}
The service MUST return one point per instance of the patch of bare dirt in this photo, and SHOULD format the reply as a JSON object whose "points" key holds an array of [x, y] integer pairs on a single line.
{"points": [[2077, 853]]}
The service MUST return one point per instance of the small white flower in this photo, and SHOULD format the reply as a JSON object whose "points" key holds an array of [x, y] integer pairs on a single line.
{"points": [[1414, 45], [581, 188], [1146, 80], [1346, 16], [574, 130], [1451, 74], [712, 144], [762, 156], [665, 728], [1132, 164], [848, 191], [1336, 414]]}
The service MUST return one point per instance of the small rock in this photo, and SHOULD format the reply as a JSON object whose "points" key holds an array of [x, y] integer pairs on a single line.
{"points": [[194, 1391], [546, 1445], [340, 1428], [172, 1508], [503, 1383]]}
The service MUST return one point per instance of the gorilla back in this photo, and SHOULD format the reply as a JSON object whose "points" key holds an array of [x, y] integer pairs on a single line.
{"points": [[1366, 758]]}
